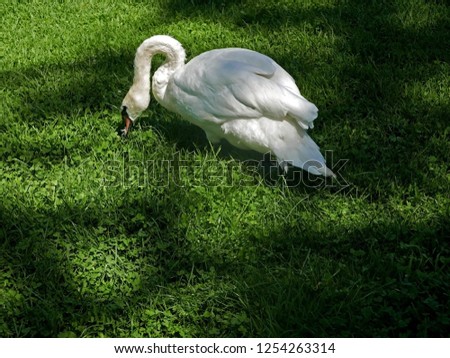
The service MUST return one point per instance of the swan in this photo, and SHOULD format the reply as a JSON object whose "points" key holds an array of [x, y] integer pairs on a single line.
{"points": [[235, 94]]}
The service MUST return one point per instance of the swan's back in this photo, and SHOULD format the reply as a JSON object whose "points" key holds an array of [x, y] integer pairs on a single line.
{"points": [[223, 65], [233, 83]]}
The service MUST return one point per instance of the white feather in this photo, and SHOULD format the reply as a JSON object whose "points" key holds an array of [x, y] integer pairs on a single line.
{"points": [[235, 94]]}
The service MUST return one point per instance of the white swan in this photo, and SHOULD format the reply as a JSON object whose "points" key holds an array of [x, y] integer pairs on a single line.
{"points": [[240, 95]]}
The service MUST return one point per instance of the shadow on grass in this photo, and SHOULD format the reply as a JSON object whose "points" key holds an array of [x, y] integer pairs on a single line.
{"points": [[387, 279], [56, 298], [50, 90]]}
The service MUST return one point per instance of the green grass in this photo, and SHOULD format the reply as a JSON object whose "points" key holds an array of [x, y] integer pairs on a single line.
{"points": [[97, 239]]}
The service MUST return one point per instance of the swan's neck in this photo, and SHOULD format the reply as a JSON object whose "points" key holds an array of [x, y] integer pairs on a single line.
{"points": [[175, 57]]}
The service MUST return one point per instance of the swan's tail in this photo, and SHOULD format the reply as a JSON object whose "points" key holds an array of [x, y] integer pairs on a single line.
{"points": [[304, 154], [302, 110]]}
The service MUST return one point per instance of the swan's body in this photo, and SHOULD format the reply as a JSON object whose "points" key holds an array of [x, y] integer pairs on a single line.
{"points": [[236, 94]]}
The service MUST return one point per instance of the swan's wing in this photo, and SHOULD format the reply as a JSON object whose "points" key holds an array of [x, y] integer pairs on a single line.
{"points": [[237, 83]]}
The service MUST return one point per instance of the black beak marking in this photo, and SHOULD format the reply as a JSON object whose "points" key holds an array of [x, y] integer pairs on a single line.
{"points": [[126, 121]]}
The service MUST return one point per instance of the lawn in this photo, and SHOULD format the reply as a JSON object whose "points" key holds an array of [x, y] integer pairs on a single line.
{"points": [[164, 235]]}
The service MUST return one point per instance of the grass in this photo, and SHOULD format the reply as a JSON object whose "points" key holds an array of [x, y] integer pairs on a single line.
{"points": [[163, 235]]}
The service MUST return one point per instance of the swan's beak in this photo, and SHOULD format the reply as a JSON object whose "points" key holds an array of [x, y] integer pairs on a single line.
{"points": [[126, 121]]}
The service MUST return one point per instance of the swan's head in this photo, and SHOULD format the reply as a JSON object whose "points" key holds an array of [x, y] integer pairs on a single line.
{"points": [[138, 97], [133, 105]]}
